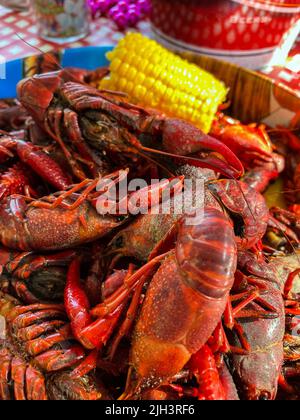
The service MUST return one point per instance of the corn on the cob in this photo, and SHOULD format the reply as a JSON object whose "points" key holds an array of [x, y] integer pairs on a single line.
{"points": [[154, 77]]}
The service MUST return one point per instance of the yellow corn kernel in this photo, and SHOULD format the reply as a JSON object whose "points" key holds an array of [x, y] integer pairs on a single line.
{"points": [[122, 83], [132, 73], [139, 92], [115, 65], [152, 77], [149, 82], [130, 87]]}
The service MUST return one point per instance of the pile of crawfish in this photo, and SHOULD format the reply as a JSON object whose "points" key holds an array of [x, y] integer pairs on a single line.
{"points": [[154, 306]]}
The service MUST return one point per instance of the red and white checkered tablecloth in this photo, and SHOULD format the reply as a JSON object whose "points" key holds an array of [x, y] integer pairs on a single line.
{"points": [[103, 32], [12, 24]]}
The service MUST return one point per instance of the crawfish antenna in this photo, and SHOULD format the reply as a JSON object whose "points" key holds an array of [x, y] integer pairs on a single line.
{"points": [[39, 50], [51, 58]]}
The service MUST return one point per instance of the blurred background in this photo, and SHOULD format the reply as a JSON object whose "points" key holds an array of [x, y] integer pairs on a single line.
{"points": [[258, 34]]}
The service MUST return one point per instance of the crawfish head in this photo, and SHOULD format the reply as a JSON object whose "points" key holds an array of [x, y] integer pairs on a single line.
{"points": [[103, 133], [108, 121], [36, 93]]}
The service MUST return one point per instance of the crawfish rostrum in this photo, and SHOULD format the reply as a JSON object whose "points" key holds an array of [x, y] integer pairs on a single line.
{"points": [[155, 306]]}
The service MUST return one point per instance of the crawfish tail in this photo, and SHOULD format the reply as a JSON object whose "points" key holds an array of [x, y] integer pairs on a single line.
{"points": [[185, 300]]}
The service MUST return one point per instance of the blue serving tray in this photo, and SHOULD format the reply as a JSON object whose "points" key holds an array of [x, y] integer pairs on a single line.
{"points": [[86, 58]]}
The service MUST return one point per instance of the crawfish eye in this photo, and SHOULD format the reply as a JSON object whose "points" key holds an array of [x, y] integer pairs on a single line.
{"points": [[264, 396]]}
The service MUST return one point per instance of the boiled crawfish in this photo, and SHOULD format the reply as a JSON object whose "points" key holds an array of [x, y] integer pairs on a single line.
{"points": [[251, 143], [288, 271], [149, 234], [28, 228], [35, 158], [103, 121], [257, 373], [37, 353], [191, 266], [34, 278], [71, 218], [163, 344], [260, 177]]}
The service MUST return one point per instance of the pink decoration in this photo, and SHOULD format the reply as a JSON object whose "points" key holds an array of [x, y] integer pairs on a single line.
{"points": [[125, 13]]}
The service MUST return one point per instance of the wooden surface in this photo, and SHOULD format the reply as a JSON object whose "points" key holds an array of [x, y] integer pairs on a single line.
{"points": [[253, 96]]}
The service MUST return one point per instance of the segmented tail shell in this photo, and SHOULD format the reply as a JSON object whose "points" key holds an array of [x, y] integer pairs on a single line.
{"points": [[200, 249]]}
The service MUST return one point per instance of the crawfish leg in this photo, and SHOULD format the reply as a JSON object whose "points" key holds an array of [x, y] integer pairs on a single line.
{"points": [[284, 229], [54, 119], [113, 301], [59, 200], [97, 334], [127, 324], [76, 301], [107, 183], [88, 365], [40, 345], [290, 282], [73, 132], [91, 334], [35, 385], [18, 372], [16, 260], [203, 365], [55, 360], [23, 293], [247, 299], [219, 342], [5, 369], [232, 314], [34, 331], [21, 310], [27, 319]]}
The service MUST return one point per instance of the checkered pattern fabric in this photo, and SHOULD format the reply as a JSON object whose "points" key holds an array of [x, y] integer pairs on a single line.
{"points": [[14, 26]]}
